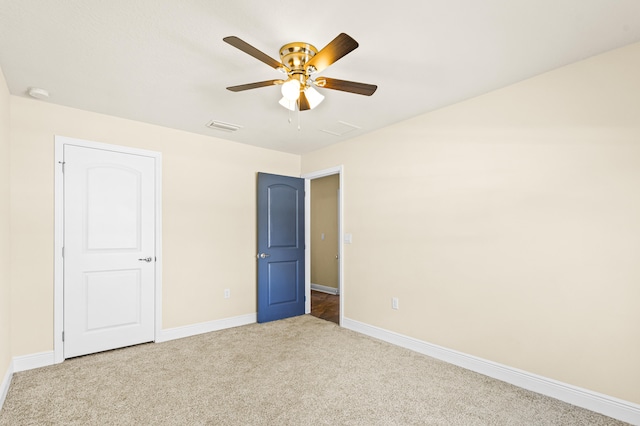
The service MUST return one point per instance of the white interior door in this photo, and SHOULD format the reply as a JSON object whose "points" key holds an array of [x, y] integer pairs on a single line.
{"points": [[109, 249]]}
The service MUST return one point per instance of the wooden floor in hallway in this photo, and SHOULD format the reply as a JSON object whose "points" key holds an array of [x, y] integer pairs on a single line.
{"points": [[325, 306]]}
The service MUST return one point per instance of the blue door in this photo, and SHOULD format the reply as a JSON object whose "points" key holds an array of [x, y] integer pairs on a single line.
{"points": [[280, 247]]}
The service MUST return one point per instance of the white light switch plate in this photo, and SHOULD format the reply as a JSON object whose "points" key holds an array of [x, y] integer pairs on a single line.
{"points": [[348, 238]]}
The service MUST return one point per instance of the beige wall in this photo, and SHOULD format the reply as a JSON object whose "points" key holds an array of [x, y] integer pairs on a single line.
{"points": [[508, 225], [5, 288], [324, 220], [208, 216]]}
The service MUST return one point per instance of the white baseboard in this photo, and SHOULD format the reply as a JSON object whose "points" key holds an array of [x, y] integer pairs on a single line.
{"points": [[6, 382], [324, 288], [600, 403], [43, 359], [205, 327], [29, 362]]}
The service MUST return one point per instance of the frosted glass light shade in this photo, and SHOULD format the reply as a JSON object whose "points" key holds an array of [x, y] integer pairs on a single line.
{"points": [[313, 97], [291, 89], [290, 105]]}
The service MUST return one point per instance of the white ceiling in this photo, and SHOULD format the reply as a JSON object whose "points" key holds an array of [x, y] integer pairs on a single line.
{"points": [[164, 61]]}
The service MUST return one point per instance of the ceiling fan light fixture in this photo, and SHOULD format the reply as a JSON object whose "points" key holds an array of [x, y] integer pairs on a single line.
{"points": [[291, 89], [300, 61], [313, 97]]}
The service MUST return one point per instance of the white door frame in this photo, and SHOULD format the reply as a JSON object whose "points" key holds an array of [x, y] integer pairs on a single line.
{"points": [[58, 282], [339, 170]]}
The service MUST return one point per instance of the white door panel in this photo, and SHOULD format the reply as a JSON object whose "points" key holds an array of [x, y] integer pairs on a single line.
{"points": [[113, 208], [112, 298], [109, 229]]}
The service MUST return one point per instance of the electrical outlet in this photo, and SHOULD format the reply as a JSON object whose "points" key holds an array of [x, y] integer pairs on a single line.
{"points": [[394, 303], [227, 293]]}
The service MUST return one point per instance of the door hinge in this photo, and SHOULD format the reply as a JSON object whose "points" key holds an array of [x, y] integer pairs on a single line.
{"points": [[62, 163], [63, 336], [62, 251]]}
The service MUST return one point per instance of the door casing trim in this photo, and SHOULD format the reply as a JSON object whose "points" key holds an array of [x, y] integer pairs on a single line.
{"points": [[339, 170], [58, 281]]}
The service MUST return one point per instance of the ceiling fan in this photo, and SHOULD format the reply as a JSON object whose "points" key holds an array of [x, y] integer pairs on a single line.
{"points": [[300, 61]]}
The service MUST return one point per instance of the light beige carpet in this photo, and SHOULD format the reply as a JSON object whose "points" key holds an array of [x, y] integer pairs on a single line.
{"points": [[299, 371]]}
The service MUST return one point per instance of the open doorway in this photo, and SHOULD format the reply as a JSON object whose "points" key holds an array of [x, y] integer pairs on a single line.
{"points": [[325, 292], [325, 258]]}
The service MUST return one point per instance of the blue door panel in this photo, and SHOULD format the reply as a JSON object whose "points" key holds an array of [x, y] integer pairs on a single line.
{"points": [[283, 224], [281, 243], [282, 282]]}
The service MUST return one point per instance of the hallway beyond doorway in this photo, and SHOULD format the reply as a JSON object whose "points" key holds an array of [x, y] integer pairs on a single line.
{"points": [[325, 306]]}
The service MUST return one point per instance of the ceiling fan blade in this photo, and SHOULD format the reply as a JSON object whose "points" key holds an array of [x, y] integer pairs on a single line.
{"points": [[303, 102], [248, 86], [346, 86], [333, 51], [250, 50]]}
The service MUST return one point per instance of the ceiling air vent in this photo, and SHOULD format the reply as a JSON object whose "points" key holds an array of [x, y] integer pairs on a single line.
{"points": [[221, 125], [341, 128]]}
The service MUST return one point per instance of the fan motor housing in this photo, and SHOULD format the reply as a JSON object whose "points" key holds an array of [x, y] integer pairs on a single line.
{"points": [[295, 55]]}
